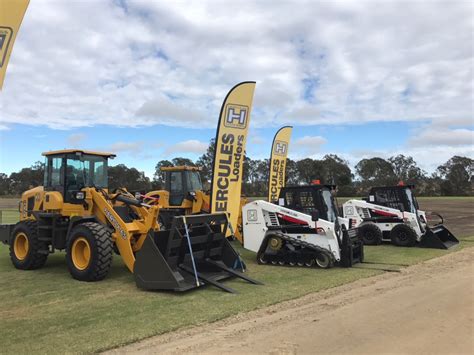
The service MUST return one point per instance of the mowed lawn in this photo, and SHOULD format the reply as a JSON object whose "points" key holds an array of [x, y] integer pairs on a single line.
{"points": [[47, 311]]}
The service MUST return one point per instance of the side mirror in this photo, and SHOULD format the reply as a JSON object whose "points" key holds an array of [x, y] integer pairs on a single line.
{"points": [[315, 215]]}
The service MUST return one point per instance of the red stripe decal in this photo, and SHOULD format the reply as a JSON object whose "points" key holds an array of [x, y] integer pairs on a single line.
{"points": [[292, 220], [383, 213]]}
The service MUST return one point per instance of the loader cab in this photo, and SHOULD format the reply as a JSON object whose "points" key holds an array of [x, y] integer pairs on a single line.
{"points": [[182, 182], [69, 171], [310, 199], [398, 197]]}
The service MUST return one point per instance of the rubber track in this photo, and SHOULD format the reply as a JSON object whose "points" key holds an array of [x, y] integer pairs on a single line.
{"points": [[298, 242], [37, 260], [104, 250]]}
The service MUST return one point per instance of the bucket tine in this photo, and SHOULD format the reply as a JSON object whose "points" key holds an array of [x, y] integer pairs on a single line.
{"points": [[221, 266], [209, 280]]}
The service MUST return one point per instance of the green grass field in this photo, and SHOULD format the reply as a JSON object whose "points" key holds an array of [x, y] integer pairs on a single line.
{"points": [[47, 311]]}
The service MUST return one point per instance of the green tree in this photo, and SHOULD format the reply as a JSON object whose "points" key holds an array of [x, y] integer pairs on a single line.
{"points": [[4, 184], [338, 172], [406, 169], [159, 176], [291, 172], [375, 172], [457, 175], [27, 178], [130, 178], [206, 161]]}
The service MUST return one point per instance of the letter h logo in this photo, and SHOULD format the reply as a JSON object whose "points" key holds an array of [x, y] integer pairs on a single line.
{"points": [[236, 116], [280, 148]]}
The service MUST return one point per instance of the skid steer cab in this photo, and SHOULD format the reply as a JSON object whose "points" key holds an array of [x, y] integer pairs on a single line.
{"points": [[184, 194], [75, 212], [303, 229], [391, 213]]}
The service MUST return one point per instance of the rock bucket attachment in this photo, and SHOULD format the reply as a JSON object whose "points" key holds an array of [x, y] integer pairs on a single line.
{"points": [[192, 253], [438, 237]]}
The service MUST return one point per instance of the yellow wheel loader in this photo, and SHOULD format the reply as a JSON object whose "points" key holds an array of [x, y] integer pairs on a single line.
{"points": [[75, 212], [184, 194]]}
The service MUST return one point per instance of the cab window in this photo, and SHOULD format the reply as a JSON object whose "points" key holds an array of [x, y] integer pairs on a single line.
{"points": [[56, 170], [176, 182], [194, 183]]}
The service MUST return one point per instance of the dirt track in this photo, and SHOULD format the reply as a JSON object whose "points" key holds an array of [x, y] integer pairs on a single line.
{"points": [[425, 309]]}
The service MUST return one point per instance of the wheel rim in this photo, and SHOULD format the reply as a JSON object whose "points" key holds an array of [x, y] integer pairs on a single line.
{"points": [[322, 261], [369, 236], [402, 236], [21, 246], [81, 253]]}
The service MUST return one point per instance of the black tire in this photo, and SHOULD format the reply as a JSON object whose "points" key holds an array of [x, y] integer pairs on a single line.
{"points": [[324, 261], [99, 242], [370, 234], [403, 235], [32, 259]]}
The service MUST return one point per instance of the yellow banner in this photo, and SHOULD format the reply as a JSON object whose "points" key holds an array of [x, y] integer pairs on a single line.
{"points": [[230, 150], [280, 145], [11, 15]]}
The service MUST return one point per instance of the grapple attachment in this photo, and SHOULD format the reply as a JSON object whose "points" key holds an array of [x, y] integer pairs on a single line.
{"points": [[192, 253], [438, 237]]}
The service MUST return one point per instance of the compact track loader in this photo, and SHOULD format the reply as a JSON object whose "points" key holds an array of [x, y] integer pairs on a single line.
{"points": [[303, 229], [184, 194], [75, 212], [391, 213]]}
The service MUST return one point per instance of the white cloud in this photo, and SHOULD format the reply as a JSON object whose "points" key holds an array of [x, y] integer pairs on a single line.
{"points": [[189, 146], [173, 62], [309, 145], [132, 148], [441, 136], [75, 140], [4, 127]]}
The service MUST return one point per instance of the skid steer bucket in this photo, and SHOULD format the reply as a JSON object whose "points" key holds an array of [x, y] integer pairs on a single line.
{"points": [[438, 237], [192, 253]]}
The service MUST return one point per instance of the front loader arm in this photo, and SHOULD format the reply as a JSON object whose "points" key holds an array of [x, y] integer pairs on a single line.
{"points": [[125, 234]]}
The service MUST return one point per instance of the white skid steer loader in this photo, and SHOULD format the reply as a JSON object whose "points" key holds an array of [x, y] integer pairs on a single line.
{"points": [[288, 236], [391, 213]]}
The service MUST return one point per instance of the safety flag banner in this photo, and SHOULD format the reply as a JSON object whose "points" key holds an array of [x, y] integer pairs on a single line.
{"points": [[278, 156], [228, 163], [11, 15]]}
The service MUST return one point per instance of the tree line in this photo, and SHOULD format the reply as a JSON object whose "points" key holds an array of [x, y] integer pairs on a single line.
{"points": [[453, 178]]}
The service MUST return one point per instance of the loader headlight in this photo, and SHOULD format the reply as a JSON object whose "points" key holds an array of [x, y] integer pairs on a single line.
{"points": [[80, 195]]}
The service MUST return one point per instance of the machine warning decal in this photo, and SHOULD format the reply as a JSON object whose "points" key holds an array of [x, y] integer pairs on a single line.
{"points": [[236, 116], [6, 34]]}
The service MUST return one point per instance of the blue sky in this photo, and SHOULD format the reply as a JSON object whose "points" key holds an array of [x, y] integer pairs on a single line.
{"points": [[147, 79]]}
